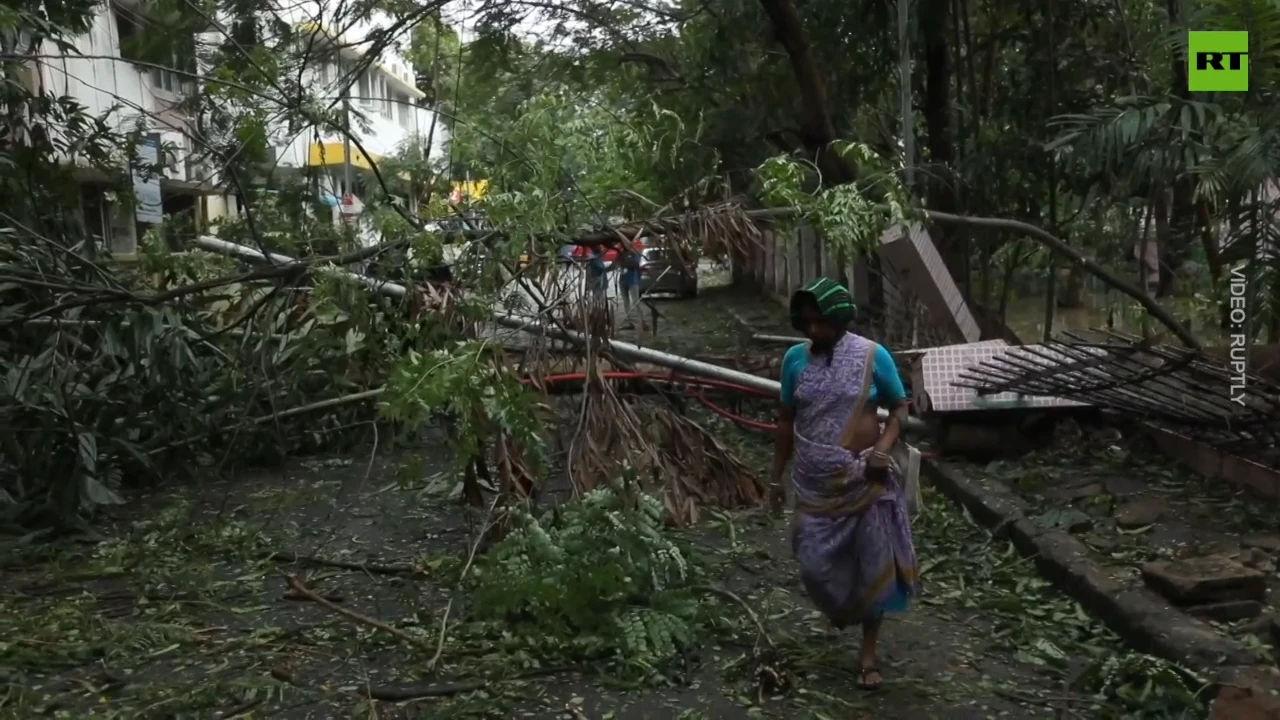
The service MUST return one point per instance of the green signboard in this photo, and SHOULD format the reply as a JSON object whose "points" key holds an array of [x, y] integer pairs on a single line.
{"points": [[1218, 61]]}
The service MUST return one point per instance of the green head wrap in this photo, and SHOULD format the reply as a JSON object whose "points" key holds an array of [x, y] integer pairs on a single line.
{"points": [[833, 300]]}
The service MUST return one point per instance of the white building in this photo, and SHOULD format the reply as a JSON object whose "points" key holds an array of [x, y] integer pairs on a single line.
{"points": [[111, 76], [375, 86]]}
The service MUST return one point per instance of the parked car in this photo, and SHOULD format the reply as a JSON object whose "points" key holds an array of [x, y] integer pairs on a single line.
{"points": [[663, 274]]}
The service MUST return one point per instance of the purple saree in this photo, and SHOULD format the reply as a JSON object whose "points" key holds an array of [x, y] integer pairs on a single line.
{"points": [[851, 537]]}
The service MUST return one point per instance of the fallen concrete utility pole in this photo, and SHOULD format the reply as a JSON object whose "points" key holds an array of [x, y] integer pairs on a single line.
{"points": [[624, 350], [637, 353]]}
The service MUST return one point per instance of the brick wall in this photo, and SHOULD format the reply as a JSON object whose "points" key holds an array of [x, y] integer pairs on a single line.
{"points": [[1261, 481]]}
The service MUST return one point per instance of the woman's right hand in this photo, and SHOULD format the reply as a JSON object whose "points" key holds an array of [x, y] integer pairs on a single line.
{"points": [[777, 495]]}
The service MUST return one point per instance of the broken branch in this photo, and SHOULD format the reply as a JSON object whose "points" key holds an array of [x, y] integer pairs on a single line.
{"points": [[1062, 249], [361, 618], [456, 687], [414, 692], [288, 557], [733, 597], [462, 576]]}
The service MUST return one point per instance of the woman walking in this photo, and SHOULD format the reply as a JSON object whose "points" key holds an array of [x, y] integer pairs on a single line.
{"points": [[852, 533]]}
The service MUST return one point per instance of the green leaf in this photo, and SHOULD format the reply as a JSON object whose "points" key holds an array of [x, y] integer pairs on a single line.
{"points": [[98, 494], [88, 445]]}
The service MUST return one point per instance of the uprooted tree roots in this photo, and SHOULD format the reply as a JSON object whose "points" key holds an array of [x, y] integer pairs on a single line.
{"points": [[601, 433], [680, 460]]}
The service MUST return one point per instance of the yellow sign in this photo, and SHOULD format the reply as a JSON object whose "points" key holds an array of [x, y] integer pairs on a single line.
{"points": [[331, 154], [468, 190]]}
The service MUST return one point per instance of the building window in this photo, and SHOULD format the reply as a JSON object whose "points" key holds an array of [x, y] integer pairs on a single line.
{"points": [[124, 231], [168, 60], [97, 223], [404, 111], [169, 80], [128, 33], [110, 224], [364, 92], [345, 79]]}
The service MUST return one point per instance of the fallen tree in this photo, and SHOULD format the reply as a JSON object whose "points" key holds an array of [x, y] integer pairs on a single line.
{"points": [[732, 219], [606, 422], [531, 324], [280, 266]]}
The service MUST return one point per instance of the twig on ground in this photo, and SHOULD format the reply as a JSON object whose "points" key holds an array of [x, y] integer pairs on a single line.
{"points": [[455, 687], [1059, 702], [373, 452], [59, 584], [320, 405], [471, 556], [731, 596], [299, 596], [765, 339], [728, 554], [289, 557], [413, 692], [282, 414], [311, 595], [242, 709]]}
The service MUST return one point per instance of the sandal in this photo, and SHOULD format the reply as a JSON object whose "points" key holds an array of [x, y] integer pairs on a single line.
{"points": [[864, 683]]}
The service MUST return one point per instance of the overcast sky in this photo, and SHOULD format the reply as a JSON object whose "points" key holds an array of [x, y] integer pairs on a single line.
{"points": [[461, 16]]}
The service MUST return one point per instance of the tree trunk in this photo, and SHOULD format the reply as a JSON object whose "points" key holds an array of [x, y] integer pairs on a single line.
{"points": [[1181, 234], [940, 186], [975, 92], [1181, 212], [817, 130], [1072, 295], [1209, 241], [1006, 285], [1161, 210], [937, 100], [988, 292]]}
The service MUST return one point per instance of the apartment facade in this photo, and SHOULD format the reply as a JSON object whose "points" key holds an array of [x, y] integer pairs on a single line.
{"points": [[373, 86], [108, 75], [113, 73]]}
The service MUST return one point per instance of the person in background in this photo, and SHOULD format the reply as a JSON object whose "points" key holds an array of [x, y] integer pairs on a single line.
{"points": [[852, 533], [598, 277], [629, 285]]}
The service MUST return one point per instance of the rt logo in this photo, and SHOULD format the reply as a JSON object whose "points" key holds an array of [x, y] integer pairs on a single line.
{"points": [[1218, 61]]}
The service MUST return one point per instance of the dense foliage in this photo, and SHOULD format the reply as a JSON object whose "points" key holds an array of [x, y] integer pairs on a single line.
{"points": [[595, 580], [1073, 116], [122, 372]]}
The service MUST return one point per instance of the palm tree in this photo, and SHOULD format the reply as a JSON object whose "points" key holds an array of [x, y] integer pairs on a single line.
{"points": [[1207, 163]]}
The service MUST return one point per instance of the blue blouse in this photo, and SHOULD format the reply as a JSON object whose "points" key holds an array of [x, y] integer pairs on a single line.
{"points": [[886, 384]]}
